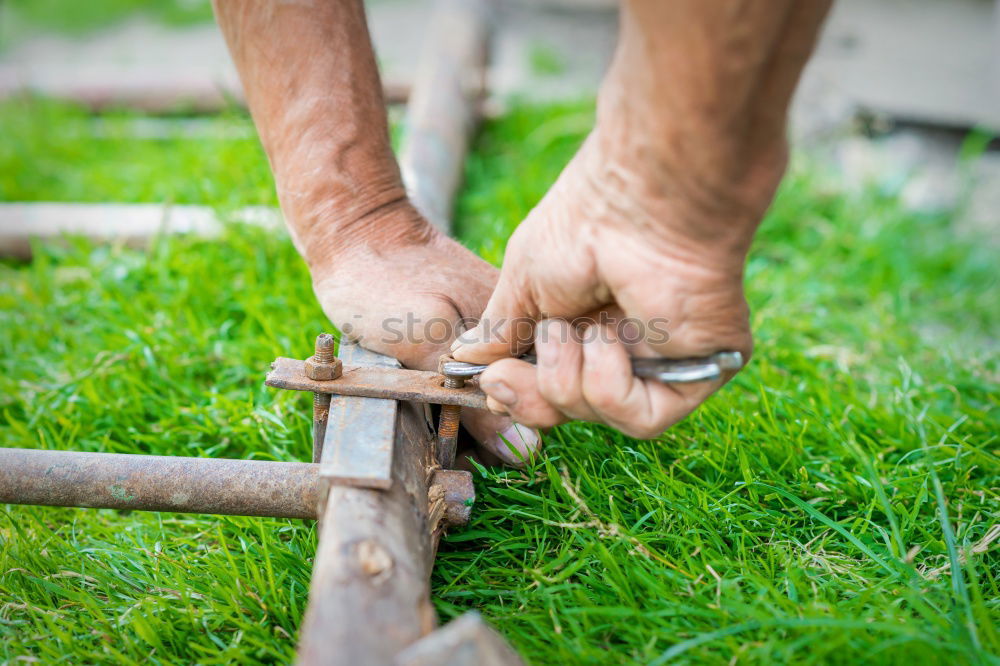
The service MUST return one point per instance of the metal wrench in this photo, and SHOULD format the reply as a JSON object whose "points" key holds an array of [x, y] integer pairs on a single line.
{"points": [[663, 370]]}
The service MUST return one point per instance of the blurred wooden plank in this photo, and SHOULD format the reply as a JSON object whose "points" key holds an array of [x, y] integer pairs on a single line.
{"points": [[132, 224], [141, 64], [915, 60]]}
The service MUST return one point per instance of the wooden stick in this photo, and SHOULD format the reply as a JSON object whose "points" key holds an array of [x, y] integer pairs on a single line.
{"points": [[132, 88], [464, 641]]}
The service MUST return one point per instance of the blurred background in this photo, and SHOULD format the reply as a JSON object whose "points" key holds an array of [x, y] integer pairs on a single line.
{"points": [[900, 92]]}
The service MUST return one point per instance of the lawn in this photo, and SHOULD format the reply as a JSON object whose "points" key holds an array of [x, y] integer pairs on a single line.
{"points": [[836, 503]]}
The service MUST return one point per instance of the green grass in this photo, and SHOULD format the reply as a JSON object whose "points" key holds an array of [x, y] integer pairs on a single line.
{"points": [[823, 508], [81, 17]]}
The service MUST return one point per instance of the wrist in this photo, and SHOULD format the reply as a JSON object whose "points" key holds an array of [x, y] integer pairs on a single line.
{"points": [[709, 217], [378, 224]]}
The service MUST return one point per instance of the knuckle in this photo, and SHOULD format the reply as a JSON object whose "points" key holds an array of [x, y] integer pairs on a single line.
{"points": [[556, 393], [536, 416], [602, 399]]}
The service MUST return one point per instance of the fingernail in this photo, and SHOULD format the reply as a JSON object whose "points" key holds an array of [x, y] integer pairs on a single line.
{"points": [[467, 338], [499, 392]]}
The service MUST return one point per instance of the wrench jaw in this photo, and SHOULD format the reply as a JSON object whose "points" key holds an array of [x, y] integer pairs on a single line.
{"points": [[449, 367]]}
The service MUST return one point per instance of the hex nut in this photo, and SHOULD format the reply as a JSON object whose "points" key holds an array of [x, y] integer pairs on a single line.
{"points": [[322, 372], [459, 495]]}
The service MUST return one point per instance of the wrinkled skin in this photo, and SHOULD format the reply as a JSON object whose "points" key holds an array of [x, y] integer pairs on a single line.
{"points": [[652, 219], [414, 279], [609, 260]]}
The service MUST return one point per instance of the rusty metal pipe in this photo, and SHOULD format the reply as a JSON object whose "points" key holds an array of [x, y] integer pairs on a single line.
{"points": [[159, 483]]}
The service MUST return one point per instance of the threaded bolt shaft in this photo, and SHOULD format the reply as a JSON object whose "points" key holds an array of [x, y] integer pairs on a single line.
{"points": [[448, 426], [321, 401], [324, 348]]}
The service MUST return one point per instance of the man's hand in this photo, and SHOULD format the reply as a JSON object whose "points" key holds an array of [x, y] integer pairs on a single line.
{"points": [[648, 227], [407, 295], [652, 219], [616, 262]]}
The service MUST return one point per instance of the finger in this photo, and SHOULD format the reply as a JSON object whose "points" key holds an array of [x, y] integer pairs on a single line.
{"points": [[512, 384], [639, 408], [507, 328], [559, 354], [513, 443]]}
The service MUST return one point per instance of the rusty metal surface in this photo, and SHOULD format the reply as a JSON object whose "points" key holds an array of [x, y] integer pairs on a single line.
{"points": [[321, 415], [456, 489], [366, 381], [358, 445], [322, 365], [159, 483]]}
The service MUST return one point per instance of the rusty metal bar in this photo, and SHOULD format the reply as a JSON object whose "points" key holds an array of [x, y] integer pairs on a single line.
{"points": [[159, 483], [358, 447], [392, 383]]}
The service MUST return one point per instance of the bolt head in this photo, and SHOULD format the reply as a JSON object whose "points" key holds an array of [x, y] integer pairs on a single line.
{"points": [[323, 372]]}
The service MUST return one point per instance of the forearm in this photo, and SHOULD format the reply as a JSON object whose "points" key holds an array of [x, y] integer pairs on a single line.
{"points": [[312, 86], [698, 96]]}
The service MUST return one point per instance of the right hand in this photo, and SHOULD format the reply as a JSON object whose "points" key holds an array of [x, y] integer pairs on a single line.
{"points": [[610, 239]]}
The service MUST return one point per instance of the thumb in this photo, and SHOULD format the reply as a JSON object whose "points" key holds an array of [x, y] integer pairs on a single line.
{"points": [[507, 328]]}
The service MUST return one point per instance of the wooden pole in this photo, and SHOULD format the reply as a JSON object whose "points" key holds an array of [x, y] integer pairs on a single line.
{"points": [[135, 225]]}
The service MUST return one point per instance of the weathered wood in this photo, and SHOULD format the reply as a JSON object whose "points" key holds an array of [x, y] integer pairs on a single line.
{"points": [[132, 224], [444, 107], [464, 642], [370, 592]]}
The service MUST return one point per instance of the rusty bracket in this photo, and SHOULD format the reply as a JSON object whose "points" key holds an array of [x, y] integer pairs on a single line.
{"points": [[377, 382]]}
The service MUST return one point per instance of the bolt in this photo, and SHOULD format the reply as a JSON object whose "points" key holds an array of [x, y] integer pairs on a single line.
{"points": [[324, 348], [449, 421], [323, 365]]}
